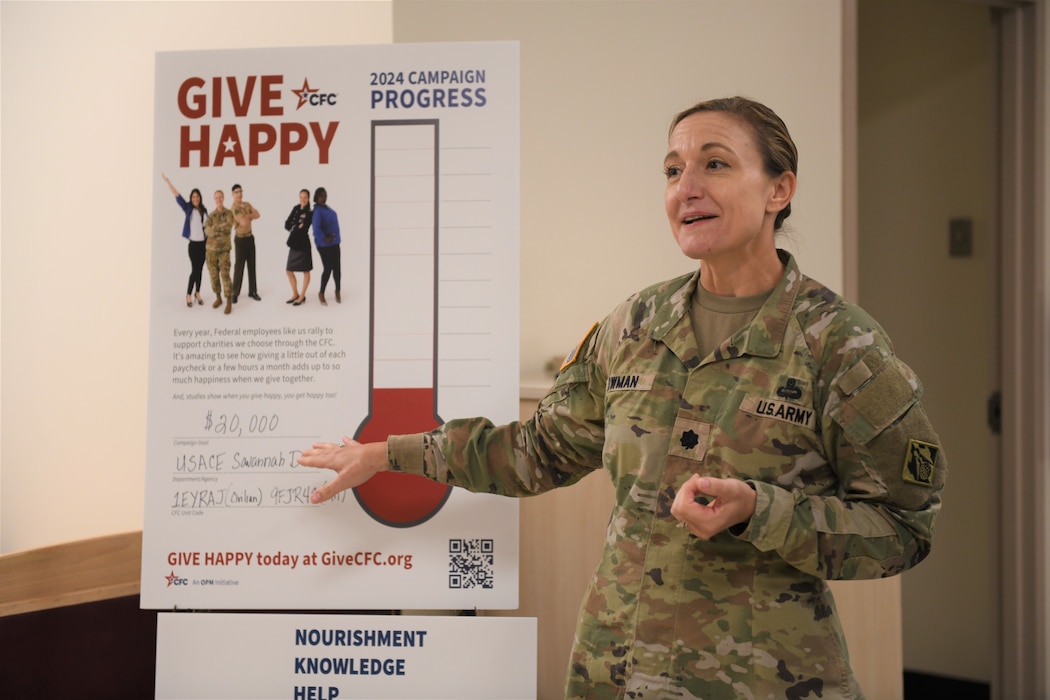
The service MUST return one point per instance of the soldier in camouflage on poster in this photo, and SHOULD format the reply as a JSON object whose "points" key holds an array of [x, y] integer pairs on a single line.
{"points": [[761, 434], [218, 228]]}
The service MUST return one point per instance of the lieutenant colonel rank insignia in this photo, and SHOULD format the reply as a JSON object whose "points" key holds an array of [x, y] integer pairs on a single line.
{"points": [[689, 439], [919, 462]]}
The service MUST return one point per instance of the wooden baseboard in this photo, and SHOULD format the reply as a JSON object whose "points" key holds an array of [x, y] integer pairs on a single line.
{"points": [[69, 574]]}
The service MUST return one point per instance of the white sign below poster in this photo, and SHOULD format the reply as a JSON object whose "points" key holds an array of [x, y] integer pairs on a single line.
{"points": [[227, 656], [415, 248]]}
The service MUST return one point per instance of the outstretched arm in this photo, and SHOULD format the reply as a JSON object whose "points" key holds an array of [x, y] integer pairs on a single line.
{"points": [[174, 192]]}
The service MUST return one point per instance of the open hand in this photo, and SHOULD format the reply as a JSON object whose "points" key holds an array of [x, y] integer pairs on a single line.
{"points": [[354, 463]]}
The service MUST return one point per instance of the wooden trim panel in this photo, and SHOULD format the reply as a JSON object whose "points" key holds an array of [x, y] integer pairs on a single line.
{"points": [[72, 573]]}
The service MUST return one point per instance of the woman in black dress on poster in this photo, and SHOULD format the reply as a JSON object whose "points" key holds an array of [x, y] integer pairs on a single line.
{"points": [[300, 257]]}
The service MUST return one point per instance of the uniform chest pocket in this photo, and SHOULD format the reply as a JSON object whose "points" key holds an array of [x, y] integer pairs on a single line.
{"points": [[641, 400], [769, 439]]}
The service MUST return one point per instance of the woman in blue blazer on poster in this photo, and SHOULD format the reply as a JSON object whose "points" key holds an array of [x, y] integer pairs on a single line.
{"points": [[193, 231]]}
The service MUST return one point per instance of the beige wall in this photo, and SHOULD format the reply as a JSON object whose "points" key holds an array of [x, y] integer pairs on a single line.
{"points": [[78, 177]]}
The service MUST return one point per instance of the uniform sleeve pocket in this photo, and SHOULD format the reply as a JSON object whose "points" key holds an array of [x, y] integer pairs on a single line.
{"points": [[874, 394]]}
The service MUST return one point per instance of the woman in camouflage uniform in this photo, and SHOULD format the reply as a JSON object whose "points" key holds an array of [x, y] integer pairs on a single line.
{"points": [[761, 434]]}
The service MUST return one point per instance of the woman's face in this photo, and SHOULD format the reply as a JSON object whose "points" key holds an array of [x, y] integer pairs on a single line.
{"points": [[720, 201], [195, 199], [304, 199]]}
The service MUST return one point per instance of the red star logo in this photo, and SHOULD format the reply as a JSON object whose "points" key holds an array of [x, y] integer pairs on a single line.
{"points": [[171, 578], [304, 93]]}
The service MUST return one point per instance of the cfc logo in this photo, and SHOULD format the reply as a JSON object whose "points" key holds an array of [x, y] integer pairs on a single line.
{"points": [[174, 580], [313, 96]]}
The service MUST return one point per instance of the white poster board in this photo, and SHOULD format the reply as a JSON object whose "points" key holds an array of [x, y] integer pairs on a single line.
{"points": [[417, 147], [227, 656]]}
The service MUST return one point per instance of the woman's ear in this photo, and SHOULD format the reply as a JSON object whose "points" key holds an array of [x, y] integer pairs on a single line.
{"points": [[783, 190]]}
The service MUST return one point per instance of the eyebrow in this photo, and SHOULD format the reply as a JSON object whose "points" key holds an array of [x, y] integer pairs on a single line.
{"points": [[710, 145]]}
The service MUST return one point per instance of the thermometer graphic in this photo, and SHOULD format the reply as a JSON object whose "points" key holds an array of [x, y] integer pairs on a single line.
{"points": [[403, 377]]}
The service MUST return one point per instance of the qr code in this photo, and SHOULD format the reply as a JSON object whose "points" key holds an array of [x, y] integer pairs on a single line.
{"points": [[470, 563]]}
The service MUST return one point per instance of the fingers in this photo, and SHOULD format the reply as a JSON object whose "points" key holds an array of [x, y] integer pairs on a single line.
{"points": [[321, 455], [315, 457], [327, 491], [349, 460], [322, 494], [686, 507], [328, 460], [695, 486], [319, 449], [709, 505], [347, 442]]}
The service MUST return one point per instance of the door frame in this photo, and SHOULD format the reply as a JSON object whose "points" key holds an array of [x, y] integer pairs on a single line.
{"points": [[1022, 351]]}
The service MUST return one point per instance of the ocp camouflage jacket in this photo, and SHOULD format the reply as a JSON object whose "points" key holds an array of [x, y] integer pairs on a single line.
{"points": [[808, 404]]}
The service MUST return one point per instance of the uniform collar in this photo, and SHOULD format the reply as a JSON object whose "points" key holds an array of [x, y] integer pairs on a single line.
{"points": [[763, 338]]}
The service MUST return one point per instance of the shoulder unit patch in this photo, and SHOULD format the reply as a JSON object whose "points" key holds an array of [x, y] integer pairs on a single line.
{"points": [[919, 462], [575, 354]]}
